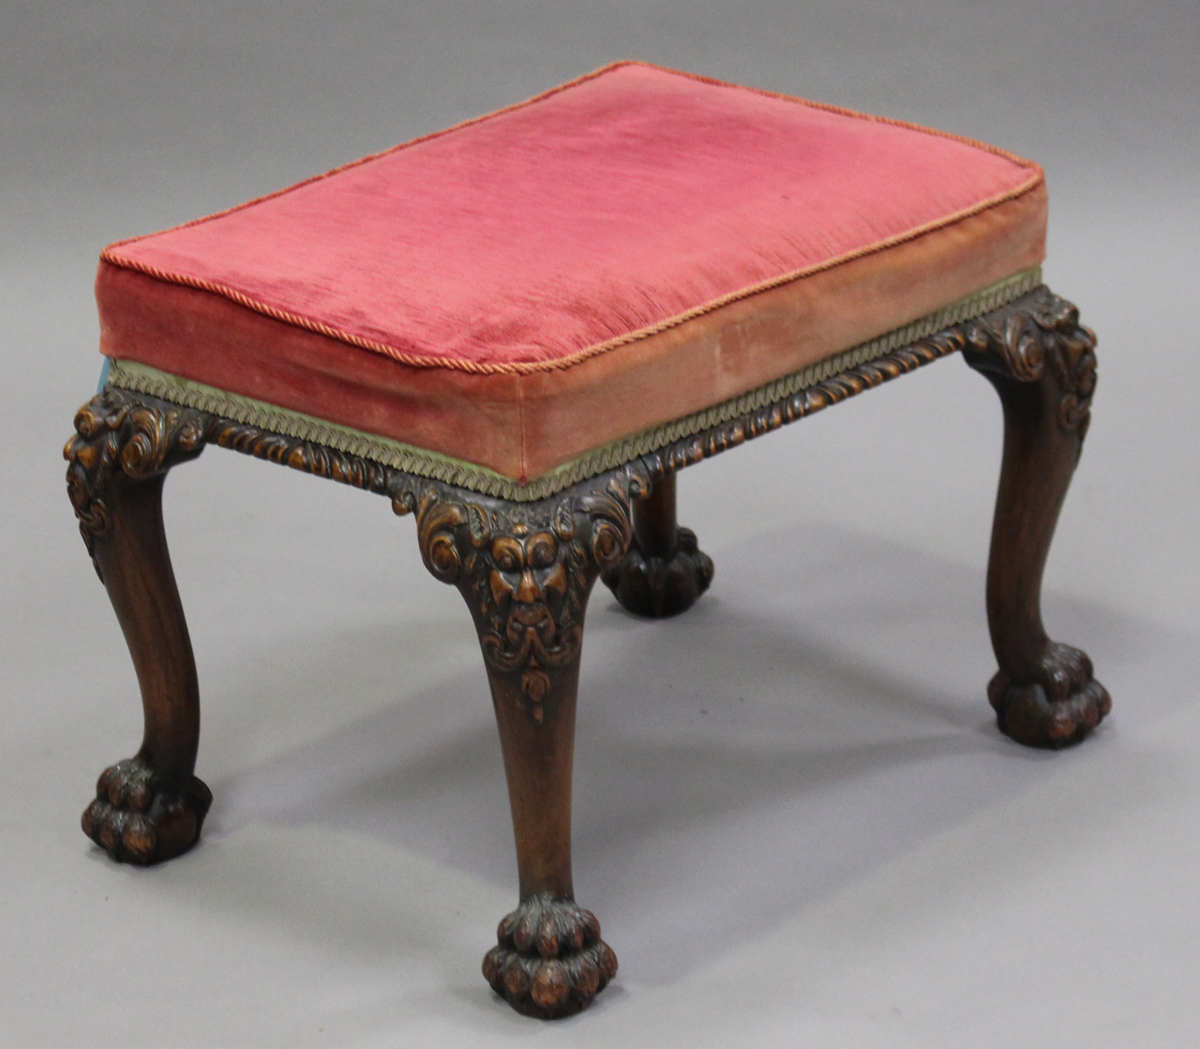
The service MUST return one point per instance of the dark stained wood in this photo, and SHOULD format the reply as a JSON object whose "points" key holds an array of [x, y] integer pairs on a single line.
{"points": [[549, 960], [526, 571], [149, 807], [664, 571], [654, 527], [347, 468], [1043, 366], [791, 408]]}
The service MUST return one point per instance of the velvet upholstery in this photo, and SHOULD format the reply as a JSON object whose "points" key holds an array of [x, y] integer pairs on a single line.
{"points": [[619, 252]]}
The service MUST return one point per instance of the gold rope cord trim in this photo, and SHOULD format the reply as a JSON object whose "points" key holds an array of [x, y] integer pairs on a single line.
{"points": [[141, 378]]}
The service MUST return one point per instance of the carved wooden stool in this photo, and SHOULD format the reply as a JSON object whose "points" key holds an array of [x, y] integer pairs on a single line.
{"points": [[518, 331]]}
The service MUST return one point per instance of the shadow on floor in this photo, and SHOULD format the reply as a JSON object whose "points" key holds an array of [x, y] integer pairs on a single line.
{"points": [[803, 724]]}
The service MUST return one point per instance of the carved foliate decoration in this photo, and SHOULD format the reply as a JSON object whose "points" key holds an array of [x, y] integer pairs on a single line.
{"points": [[1039, 336], [405, 489], [117, 434], [525, 569]]}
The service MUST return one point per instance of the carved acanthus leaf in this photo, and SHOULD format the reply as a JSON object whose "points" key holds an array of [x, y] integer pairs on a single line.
{"points": [[525, 569], [118, 434], [1039, 337]]}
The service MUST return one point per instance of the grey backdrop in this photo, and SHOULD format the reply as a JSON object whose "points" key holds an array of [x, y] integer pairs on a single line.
{"points": [[803, 828]]}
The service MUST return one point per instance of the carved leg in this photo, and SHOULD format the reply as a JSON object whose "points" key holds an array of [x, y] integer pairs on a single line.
{"points": [[664, 571], [149, 807], [1041, 362], [549, 961], [526, 571]]}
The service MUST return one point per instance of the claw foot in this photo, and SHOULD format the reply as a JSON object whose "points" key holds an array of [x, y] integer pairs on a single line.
{"points": [[136, 821], [550, 961], [656, 588], [1058, 709]]}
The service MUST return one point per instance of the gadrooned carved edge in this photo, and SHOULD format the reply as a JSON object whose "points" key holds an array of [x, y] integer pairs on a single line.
{"points": [[526, 568], [802, 403], [1039, 336], [377, 477], [1009, 326], [549, 961]]}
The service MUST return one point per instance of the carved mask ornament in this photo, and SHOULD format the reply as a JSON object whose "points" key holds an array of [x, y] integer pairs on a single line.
{"points": [[526, 572]]}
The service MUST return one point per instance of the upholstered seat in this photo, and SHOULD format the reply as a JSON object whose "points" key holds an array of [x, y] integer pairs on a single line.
{"points": [[622, 253]]}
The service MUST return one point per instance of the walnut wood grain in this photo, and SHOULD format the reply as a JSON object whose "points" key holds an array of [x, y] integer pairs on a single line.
{"points": [[1043, 365], [149, 807], [664, 570], [526, 571]]}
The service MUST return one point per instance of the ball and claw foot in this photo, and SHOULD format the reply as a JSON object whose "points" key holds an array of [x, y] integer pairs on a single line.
{"points": [[1058, 709], [135, 821], [550, 961], [655, 588]]}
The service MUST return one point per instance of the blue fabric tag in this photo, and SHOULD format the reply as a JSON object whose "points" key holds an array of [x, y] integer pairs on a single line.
{"points": [[103, 375]]}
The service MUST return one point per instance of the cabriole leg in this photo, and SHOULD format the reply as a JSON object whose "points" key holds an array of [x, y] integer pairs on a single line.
{"points": [[149, 807], [1043, 366], [549, 960], [664, 571], [525, 571]]}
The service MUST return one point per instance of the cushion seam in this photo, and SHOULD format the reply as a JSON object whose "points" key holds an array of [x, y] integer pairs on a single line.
{"points": [[579, 356], [441, 466]]}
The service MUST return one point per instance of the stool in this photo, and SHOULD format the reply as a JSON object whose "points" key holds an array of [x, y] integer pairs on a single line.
{"points": [[518, 331]]}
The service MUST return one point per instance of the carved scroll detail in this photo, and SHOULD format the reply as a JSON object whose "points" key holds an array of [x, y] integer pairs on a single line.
{"points": [[1039, 335], [525, 569], [404, 489], [119, 434]]}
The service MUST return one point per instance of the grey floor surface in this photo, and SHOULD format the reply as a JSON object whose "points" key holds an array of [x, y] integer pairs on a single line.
{"points": [[794, 815]]}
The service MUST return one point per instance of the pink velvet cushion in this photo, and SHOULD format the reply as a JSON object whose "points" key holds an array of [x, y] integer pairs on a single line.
{"points": [[606, 212]]}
